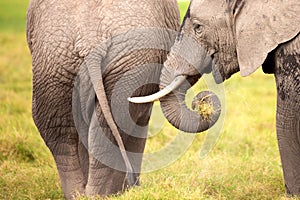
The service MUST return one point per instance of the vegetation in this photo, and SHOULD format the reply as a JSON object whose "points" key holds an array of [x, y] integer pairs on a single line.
{"points": [[244, 164]]}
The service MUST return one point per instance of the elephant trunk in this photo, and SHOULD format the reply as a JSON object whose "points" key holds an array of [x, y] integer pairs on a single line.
{"points": [[206, 105], [182, 69]]}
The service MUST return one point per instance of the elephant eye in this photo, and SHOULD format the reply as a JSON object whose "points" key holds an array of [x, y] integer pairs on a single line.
{"points": [[197, 28]]}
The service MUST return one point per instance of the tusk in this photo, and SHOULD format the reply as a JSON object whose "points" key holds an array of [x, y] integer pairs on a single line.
{"points": [[146, 99]]}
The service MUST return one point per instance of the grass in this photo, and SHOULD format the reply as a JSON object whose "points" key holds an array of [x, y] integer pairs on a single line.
{"points": [[244, 164], [13, 15]]}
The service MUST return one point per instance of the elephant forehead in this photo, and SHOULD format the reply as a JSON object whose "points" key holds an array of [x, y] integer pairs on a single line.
{"points": [[205, 9]]}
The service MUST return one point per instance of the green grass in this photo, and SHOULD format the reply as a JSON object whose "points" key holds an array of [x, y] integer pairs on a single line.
{"points": [[183, 6], [13, 15], [244, 163]]}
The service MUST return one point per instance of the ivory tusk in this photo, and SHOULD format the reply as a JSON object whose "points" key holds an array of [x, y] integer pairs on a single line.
{"points": [[150, 98]]}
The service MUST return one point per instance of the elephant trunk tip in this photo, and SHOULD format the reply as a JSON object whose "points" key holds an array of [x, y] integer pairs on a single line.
{"points": [[207, 105]]}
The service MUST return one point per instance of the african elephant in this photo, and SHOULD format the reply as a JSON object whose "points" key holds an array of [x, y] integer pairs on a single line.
{"points": [[111, 37], [227, 36]]}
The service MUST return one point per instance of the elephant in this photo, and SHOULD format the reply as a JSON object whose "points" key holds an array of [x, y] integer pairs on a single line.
{"points": [[86, 56], [224, 37]]}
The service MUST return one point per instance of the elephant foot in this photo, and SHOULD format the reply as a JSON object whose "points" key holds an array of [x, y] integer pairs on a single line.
{"points": [[289, 193], [73, 185], [72, 179]]}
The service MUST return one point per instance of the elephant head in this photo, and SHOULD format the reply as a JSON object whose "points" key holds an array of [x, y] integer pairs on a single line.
{"points": [[222, 37]]}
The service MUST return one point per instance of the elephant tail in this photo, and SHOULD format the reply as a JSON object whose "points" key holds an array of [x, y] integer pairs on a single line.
{"points": [[94, 69]]}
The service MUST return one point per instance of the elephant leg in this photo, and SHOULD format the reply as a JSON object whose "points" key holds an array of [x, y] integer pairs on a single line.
{"points": [[135, 146], [58, 131], [288, 125], [287, 73], [84, 160], [103, 180], [135, 143], [67, 160], [106, 166]]}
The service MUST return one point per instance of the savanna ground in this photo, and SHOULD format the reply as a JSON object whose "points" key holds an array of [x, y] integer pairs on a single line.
{"points": [[244, 164]]}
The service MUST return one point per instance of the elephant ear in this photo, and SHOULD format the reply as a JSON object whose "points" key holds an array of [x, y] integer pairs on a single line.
{"points": [[260, 26]]}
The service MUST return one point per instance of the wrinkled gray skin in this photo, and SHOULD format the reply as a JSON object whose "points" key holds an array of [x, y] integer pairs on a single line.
{"points": [[61, 34], [223, 32]]}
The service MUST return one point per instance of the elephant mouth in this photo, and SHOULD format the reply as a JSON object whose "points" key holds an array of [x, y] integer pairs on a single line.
{"points": [[217, 73], [217, 69], [223, 66]]}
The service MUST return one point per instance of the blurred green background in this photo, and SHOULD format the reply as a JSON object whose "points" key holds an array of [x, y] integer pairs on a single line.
{"points": [[244, 163]]}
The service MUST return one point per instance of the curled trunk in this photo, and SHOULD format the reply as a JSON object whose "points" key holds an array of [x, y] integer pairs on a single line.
{"points": [[206, 104]]}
